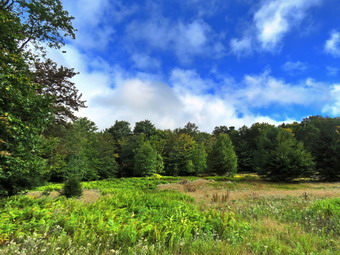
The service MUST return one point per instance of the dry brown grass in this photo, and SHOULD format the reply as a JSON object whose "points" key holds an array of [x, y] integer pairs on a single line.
{"points": [[203, 192], [89, 195], [207, 193], [185, 185]]}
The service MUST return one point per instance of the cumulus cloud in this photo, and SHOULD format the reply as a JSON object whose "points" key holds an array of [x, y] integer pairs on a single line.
{"points": [[185, 39], [143, 61], [189, 80], [271, 22], [95, 20], [334, 107], [113, 93], [264, 90], [294, 67], [332, 45], [242, 46]]}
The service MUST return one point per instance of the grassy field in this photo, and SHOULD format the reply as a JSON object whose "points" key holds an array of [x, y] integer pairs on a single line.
{"points": [[214, 215]]}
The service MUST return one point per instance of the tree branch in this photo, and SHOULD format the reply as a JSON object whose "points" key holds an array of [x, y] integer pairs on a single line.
{"points": [[6, 4], [24, 44]]}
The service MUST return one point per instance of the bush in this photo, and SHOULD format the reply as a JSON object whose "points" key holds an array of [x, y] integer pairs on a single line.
{"points": [[72, 187]]}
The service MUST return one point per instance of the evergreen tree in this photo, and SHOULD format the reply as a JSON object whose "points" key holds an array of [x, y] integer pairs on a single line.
{"points": [[72, 187], [222, 159], [129, 146], [321, 136], [103, 156], [144, 127], [281, 157]]}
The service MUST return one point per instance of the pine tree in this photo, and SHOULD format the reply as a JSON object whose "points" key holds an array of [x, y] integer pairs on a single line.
{"points": [[222, 159], [281, 157]]}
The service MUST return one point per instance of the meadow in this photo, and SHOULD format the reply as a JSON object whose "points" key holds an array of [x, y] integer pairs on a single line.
{"points": [[173, 215]]}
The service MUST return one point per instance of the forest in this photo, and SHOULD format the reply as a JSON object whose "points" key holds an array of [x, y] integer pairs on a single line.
{"points": [[146, 190]]}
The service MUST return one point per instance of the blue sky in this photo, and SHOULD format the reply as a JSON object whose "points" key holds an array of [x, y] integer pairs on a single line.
{"points": [[209, 62]]}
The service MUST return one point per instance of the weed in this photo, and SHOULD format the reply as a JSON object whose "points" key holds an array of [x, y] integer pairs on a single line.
{"points": [[220, 197], [305, 195]]}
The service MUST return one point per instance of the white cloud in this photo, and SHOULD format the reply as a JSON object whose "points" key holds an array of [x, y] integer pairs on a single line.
{"points": [[95, 21], [276, 17], [189, 80], [271, 22], [114, 94], [143, 61], [264, 90], [292, 67], [203, 8], [185, 39], [242, 46], [332, 45], [334, 107], [332, 71]]}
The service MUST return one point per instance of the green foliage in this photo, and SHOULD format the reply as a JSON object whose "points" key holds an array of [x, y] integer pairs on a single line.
{"points": [[178, 155], [23, 117], [189, 129], [104, 156], [56, 83], [127, 216], [72, 187], [222, 159], [145, 160], [323, 215], [281, 157], [24, 112], [199, 159], [321, 137], [84, 152], [119, 130], [129, 147], [44, 21], [144, 127]]}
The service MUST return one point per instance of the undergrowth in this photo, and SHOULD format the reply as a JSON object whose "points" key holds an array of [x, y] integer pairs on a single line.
{"points": [[129, 214], [132, 216]]}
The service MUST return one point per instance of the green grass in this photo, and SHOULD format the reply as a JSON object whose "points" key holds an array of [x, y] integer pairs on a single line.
{"points": [[133, 217]]}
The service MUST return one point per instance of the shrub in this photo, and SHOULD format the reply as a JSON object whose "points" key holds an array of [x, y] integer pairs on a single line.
{"points": [[72, 187]]}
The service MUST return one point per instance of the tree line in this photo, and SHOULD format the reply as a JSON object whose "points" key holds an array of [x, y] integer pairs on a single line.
{"points": [[42, 140], [309, 149]]}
